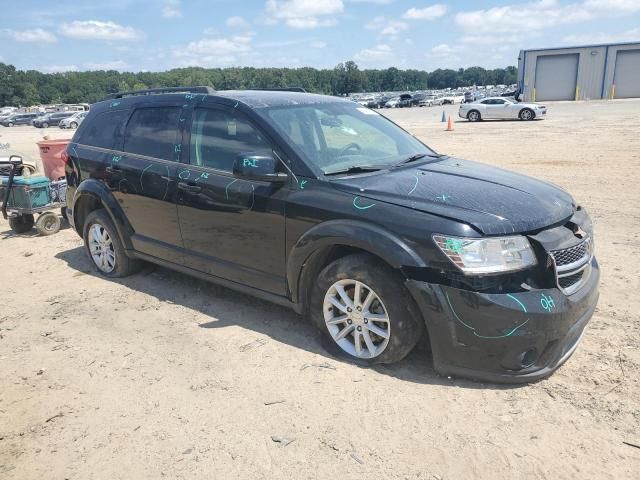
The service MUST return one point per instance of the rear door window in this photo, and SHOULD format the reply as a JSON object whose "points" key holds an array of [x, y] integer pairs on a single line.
{"points": [[104, 130], [153, 132]]}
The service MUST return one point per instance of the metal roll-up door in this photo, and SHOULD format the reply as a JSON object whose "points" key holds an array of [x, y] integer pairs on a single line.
{"points": [[556, 77], [627, 74]]}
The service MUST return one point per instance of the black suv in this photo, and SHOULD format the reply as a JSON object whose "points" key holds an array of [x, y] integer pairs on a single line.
{"points": [[327, 207], [51, 119]]}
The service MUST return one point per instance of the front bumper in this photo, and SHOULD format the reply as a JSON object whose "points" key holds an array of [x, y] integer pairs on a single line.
{"points": [[505, 338]]}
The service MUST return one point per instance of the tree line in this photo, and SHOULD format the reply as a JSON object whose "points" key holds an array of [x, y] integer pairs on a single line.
{"points": [[31, 87]]}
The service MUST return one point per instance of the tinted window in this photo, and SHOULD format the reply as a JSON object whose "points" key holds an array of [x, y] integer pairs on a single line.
{"points": [[153, 132], [104, 130], [218, 137], [487, 102]]}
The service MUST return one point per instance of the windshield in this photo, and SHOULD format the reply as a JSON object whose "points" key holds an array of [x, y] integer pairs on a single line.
{"points": [[339, 136]]}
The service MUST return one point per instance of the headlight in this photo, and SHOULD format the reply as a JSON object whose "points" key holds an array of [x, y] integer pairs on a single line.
{"points": [[487, 255]]}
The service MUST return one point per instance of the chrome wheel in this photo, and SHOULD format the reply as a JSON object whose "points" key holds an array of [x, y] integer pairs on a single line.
{"points": [[101, 248], [356, 319], [526, 115], [474, 116]]}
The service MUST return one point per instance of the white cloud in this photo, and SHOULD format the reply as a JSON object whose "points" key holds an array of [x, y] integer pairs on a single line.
{"points": [[215, 51], [303, 14], [112, 65], [171, 9], [58, 68], [427, 13], [236, 22], [37, 35], [540, 15], [379, 55], [394, 27], [375, 24], [318, 44], [94, 29], [601, 37], [444, 49]]}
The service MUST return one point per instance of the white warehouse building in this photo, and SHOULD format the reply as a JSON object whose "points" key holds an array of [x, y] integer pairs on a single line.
{"points": [[580, 73]]}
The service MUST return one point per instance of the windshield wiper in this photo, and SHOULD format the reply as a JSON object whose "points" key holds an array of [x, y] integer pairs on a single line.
{"points": [[415, 157], [355, 169]]}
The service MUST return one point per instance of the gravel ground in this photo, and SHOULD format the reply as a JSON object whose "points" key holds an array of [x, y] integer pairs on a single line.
{"points": [[163, 376]]}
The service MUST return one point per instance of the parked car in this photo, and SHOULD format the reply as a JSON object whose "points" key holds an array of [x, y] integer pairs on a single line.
{"points": [[318, 204], [426, 101], [405, 100], [73, 121], [19, 119], [500, 107], [48, 119], [392, 102]]}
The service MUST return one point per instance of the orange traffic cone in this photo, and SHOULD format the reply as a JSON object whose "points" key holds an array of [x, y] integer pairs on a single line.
{"points": [[449, 125]]}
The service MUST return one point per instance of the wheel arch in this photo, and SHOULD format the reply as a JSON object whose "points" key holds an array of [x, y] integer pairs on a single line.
{"points": [[93, 195], [331, 240], [474, 110]]}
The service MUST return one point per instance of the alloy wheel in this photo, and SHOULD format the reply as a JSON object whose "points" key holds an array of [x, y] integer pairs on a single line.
{"points": [[101, 248], [356, 319]]}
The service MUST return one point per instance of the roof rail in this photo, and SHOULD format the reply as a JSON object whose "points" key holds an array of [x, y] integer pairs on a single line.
{"points": [[158, 91], [281, 89]]}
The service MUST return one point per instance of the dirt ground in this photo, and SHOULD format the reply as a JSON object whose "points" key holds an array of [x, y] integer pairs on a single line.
{"points": [[163, 376]]}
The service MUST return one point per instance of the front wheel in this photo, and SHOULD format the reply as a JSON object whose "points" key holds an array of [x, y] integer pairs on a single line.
{"points": [[21, 223], [10, 124], [45, 125], [363, 310], [473, 116], [104, 246], [48, 223], [527, 114], [73, 125]]}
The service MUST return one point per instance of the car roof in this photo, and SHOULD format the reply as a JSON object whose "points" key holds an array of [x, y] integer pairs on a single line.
{"points": [[253, 99]]}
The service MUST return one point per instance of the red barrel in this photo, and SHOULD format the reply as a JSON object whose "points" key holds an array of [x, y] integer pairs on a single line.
{"points": [[51, 156]]}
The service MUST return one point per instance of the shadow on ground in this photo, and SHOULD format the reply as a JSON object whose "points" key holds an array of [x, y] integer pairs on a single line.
{"points": [[229, 307]]}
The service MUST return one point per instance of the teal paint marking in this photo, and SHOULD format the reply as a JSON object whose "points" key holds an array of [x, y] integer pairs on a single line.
{"points": [[547, 303], [443, 197], [226, 189], [508, 334], [250, 162], [302, 184], [453, 245], [116, 159], [184, 174], [181, 120], [177, 148], [114, 104], [415, 186], [361, 207]]}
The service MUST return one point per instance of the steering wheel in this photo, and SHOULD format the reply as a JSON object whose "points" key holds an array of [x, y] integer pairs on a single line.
{"points": [[346, 148]]}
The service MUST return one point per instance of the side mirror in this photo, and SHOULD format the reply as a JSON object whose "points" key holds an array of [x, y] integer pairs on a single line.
{"points": [[262, 168], [15, 159]]}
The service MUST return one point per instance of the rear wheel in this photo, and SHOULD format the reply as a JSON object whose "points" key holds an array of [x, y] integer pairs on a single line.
{"points": [[474, 116], [73, 125], [104, 247], [45, 125], [363, 311], [527, 114], [21, 223], [48, 223], [10, 124]]}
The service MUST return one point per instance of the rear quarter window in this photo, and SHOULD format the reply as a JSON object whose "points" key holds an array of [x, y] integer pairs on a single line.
{"points": [[104, 130]]}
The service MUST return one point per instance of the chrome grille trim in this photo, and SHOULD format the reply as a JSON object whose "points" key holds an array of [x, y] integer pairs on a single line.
{"points": [[572, 262]]}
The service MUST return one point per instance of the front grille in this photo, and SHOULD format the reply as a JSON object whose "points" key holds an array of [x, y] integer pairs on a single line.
{"points": [[572, 266], [566, 282], [570, 255]]}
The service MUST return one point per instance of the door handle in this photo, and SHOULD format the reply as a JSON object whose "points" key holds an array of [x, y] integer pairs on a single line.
{"points": [[189, 188]]}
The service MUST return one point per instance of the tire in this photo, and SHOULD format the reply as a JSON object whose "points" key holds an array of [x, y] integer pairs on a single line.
{"points": [[45, 125], [47, 224], [63, 212], [21, 223], [73, 125], [526, 114], [10, 124], [399, 318], [474, 116], [110, 257]]}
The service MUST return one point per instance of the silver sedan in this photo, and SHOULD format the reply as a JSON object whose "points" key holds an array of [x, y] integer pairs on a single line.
{"points": [[500, 107]]}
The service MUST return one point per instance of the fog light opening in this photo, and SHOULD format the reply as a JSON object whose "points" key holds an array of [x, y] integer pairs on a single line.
{"points": [[528, 358]]}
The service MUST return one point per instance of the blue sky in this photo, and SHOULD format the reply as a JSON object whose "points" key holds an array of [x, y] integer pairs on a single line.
{"points": [[135, 35]]}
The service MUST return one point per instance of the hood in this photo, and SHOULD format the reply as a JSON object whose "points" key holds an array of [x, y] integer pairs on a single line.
{"points": [[492, 200]]}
